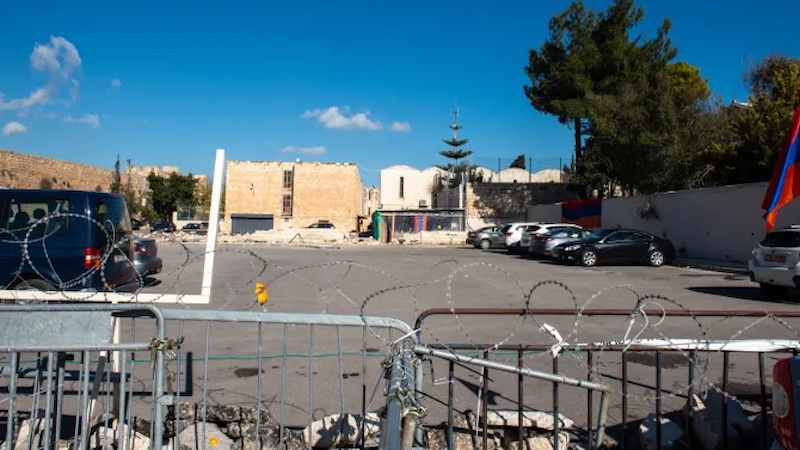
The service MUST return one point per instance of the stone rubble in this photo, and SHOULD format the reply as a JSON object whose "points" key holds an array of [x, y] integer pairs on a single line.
{"points": [[233, 428], [708, 421], [671, 433]]}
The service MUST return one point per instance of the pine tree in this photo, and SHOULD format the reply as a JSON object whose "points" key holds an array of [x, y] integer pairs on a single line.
{"points": [[116, 181], [455, 152]]}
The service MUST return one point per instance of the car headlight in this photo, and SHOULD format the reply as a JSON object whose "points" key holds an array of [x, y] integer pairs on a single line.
{"points": [[571, 248]]}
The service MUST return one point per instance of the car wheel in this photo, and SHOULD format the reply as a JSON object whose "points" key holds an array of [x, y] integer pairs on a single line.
{"points": [[771, 290], [36, 284], [657, 258], [588, 258], [485, 244]]}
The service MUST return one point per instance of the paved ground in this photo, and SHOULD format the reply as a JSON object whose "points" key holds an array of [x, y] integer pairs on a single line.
{"points": [[401, 282]]}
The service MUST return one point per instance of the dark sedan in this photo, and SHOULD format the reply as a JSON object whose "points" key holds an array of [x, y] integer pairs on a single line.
{"points": [[146, 259], [617, 246]]}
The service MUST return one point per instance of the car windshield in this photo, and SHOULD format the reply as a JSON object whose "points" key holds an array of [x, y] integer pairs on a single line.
{"points": [[505, 228]]}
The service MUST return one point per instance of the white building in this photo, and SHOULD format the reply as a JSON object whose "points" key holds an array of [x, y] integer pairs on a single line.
{"points": [[405, 187]]}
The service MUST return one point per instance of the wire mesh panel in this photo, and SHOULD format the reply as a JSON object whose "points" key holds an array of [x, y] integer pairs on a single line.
{"points": [[286, 380], [663, 391], [68, 380]]}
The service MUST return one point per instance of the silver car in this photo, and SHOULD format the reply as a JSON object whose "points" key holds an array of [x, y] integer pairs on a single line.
{"points": [[487, 238], [543, 244]]}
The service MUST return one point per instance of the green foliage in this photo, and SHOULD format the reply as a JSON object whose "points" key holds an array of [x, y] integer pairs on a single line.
{"points": [[167, 193], [129, 193], [202, 197], [455, 153], [116, 180], [652, 134], [589, 53], [518, 163], [754, 135]]}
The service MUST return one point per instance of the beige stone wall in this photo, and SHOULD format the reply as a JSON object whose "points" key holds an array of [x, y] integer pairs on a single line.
{"points": [[495, 203], [321, 191], [26, 171]]}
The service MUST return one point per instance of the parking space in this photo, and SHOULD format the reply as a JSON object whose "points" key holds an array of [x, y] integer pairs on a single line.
{"points": [[491, 278]]}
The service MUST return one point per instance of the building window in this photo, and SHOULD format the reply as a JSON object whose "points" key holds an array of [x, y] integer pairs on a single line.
{"points": [[287, 179], [287, 205], [402, 187]]}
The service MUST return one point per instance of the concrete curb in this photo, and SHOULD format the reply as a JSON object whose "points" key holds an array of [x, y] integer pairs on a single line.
{"points": [[711, 266]]}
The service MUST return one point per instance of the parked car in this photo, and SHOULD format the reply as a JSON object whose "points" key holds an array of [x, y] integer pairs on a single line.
{"points": [[775, 264], [617, 246], [544, 243], [527, 235], [164, 226], [146, 259], [322, 224], [65, 240], [512, 233], [194, 228], [485, 238]]}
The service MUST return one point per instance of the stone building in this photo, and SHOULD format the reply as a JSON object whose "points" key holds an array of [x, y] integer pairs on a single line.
{"points": [[262, 195]]}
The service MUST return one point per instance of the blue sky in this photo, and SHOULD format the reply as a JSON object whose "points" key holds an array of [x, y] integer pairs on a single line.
{"points": [[369, 82]]}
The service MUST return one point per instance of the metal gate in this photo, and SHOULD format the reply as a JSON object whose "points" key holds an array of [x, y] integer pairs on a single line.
{"points": [[248, 223]]}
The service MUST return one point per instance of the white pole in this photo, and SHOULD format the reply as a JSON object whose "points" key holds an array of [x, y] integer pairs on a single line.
{"points": [[213, 223]]}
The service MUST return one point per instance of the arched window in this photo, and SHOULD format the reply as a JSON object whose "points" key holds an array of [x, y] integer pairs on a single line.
{"points": [[402, 187]]}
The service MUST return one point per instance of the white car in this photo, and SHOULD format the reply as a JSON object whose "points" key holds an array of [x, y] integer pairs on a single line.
{"points": [[527, 236], [775, 264], [513, 233]]}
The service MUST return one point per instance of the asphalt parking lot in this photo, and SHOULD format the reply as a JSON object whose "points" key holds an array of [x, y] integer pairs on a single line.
{"points": [[401, 282]]}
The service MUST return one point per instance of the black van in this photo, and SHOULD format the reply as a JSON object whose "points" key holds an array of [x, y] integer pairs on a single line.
{"points": [[66, 241]]}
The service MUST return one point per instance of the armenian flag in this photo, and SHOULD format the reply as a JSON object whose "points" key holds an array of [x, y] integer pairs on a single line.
{"points": [[586, 213], [784, 186]]}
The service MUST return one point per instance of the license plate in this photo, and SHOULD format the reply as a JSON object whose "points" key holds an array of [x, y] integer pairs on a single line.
{"points": [[120, 258], [775, 258]]}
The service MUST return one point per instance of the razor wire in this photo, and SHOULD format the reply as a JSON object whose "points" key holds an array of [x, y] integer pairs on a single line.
{"points": [[282, 280]]}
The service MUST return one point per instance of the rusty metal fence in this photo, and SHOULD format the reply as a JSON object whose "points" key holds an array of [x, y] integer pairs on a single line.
{"points": [[90, 376], [749, 353]]}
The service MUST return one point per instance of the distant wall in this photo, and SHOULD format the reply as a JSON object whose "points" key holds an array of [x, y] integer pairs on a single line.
{"points": [[26, 171], [721, 224], [497, 203]]}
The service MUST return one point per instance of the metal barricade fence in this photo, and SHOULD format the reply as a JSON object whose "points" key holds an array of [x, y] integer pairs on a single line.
{"points": [[250, 367], [586, 362], [341, 358], [57, 359]]}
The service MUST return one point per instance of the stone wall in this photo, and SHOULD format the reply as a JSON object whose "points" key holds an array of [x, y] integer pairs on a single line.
{"points": [[494, 203], [26, 171], [320, 191]]}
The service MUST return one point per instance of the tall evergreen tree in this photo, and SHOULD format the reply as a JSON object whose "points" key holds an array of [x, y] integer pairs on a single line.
{"points": [[116, 180], [518, 163]]}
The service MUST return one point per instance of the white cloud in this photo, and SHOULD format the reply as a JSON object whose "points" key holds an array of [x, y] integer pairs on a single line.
{"points": [[93, 120], [335, 117], [12, 128], [316, 150], [60, 60], [116, 83], [403, 127], [38, 97]]}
